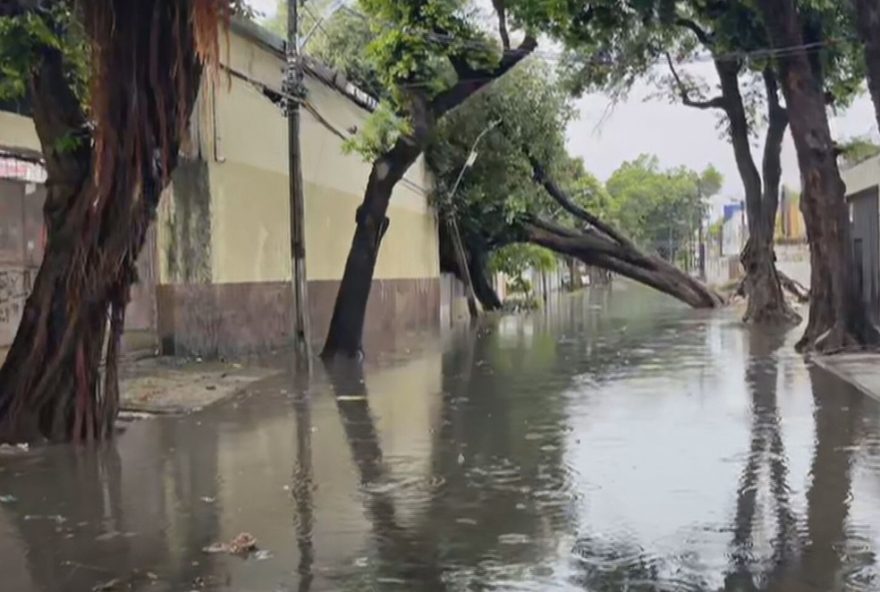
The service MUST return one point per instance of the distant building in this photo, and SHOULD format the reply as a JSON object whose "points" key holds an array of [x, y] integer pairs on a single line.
{"points": [[862, 193]]}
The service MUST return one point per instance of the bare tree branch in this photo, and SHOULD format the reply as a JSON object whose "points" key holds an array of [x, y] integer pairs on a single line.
{"points": [[777, 118], [472, 80], [684, 93], [575, 210], [702, 35], [501, 12]]}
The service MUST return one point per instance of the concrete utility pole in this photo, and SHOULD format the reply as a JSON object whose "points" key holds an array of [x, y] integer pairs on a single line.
{"points": [[455, 235], [295, 90]]}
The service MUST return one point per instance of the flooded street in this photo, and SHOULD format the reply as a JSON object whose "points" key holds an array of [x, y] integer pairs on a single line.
{"points": [[615, 441]]}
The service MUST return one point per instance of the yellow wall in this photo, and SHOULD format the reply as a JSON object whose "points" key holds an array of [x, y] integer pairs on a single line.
{"points": [[17, 131], [249, 187]]}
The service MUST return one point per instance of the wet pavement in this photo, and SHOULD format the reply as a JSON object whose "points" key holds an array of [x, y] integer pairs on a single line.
{"points": [[615, 441]]}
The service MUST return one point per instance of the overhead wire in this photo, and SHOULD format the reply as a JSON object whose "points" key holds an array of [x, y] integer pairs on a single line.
{"points": [[556, 56]]}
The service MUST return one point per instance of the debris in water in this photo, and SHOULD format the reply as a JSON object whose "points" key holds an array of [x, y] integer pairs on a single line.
{"points": [[468, 521], [513, 539], [460, 458], [57, 518], [262, 555], [113, 584], [7, 449], [209, 500], [242, 544], [8, 499], [351, 398]]}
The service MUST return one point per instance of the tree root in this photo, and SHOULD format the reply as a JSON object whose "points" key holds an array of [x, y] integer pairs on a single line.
{"points": [[794, 287]]}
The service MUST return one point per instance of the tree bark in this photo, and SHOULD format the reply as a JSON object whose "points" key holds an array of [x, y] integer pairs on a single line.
{"points": [[483, 288], [100, 204], [576, 281], [602, 245], [646, 269], [345, 336], [766, 300], [868, 25], [838, 317]]}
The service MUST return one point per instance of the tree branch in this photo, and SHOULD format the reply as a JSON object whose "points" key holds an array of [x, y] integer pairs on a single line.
{"points": [[501, 12], [589, 240], [560, 197], [684, 93], [777, 117], [702, 35], [472, 80]]}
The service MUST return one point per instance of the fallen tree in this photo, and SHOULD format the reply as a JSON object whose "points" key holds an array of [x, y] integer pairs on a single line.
{"points": [[601, 245], [524, 188]]}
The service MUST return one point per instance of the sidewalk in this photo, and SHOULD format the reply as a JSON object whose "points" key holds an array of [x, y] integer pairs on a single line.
{"points": [[171, 385], [862, 370], [157, 385]]}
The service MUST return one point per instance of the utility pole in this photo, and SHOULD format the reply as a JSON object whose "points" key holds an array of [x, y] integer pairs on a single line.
{"points": [[455, 235], [295, 91]]}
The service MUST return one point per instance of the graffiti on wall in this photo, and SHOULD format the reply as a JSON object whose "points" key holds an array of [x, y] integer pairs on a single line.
{"points": [[15, 286]]}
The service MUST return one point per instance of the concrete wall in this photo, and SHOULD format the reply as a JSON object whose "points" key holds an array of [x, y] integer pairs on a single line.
{"points": [[864, 175], [17, 133], [793, 259], [225, 232]]}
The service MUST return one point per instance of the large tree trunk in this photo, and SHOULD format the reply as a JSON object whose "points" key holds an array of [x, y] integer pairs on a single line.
{"points": [[603, 246], [477, 265], [345, 335], [50, 385], [650, 270], [868, 24], [766, 300], [838, 316]]}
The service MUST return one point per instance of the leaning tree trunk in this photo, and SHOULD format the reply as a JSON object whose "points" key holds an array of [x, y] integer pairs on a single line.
{"points": [[603, 246], [645, 269], [145, 81], [838, 317], [868, 24], [477, 265], [345, 335]]}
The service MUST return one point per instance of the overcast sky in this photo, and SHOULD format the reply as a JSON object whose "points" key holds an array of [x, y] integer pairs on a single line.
{"points": [[606, 136]]}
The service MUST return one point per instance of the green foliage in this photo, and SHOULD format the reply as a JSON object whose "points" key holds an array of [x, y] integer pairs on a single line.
{"points": [[338, 40], [514, 260], [379, 133], [612, 44], [660, 209], [20, 40], [531, 111], [24, 37]]}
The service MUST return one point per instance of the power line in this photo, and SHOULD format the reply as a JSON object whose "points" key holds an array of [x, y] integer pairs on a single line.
{"points": [[556, 56]]}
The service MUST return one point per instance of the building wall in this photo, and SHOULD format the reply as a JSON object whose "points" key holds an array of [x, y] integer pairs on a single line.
{"points": [[17, 133], [22, 236], [862, 176], [237, 202]]}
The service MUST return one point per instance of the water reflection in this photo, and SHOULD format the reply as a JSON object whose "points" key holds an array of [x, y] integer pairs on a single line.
{"points": [[613, 441], [303, 489], [401, 556]]}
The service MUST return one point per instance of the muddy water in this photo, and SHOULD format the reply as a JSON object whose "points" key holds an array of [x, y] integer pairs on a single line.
{"points": [[614, 442]]}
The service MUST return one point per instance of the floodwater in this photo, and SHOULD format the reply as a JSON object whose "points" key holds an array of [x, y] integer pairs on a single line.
{"points": [[615, 441]]}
